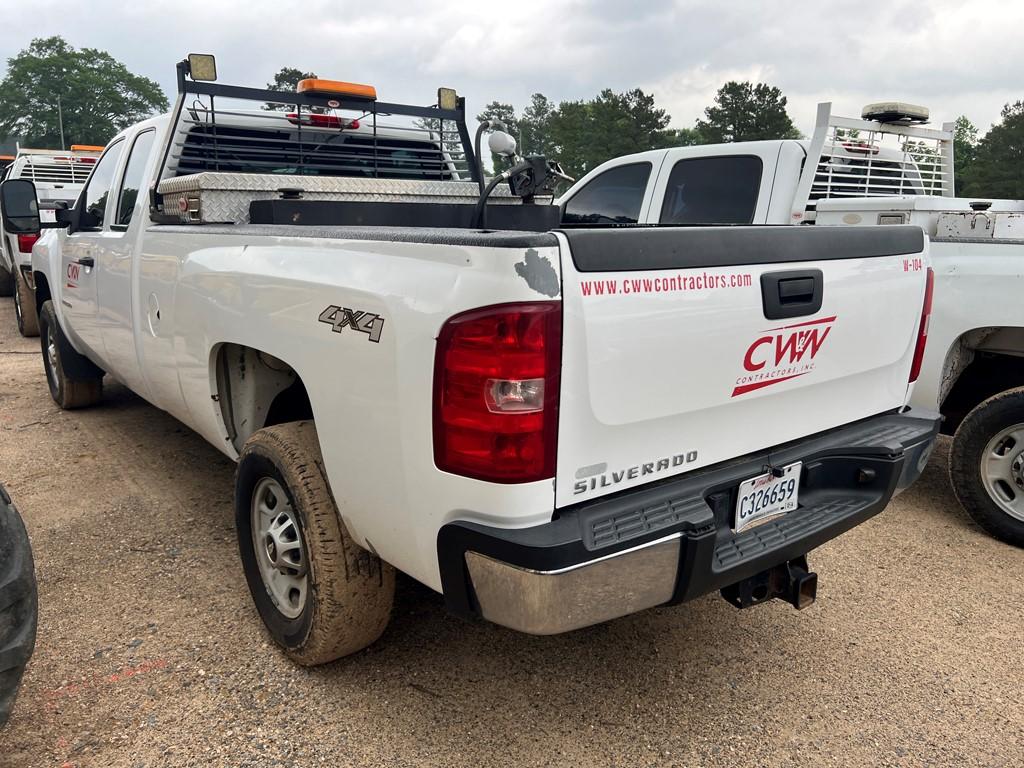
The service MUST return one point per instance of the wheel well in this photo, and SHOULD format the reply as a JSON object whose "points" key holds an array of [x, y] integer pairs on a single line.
{"points": [[987, 374], [42, 290], [257, 390]]}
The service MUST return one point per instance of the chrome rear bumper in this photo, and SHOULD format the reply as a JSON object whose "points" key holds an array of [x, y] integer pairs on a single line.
{"points": [[549, 602]]}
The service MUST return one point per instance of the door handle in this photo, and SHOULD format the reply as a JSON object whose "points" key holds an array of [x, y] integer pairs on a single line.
{"points": [[86, 261], [792, 293]]}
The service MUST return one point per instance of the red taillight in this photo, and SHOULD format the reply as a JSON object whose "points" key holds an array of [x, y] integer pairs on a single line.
{"points": [[922, 330], [496, 382], [25, 242], [318, 120]]}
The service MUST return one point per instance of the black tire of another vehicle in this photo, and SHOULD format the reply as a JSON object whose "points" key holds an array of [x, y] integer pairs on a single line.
{"points": [[18, 603], [6, 282], [282, 492], [982, 425], [25, 307], [66, 390]]}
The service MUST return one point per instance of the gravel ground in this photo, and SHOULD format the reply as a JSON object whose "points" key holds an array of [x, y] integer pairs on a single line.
{"points": [[150, 653]]}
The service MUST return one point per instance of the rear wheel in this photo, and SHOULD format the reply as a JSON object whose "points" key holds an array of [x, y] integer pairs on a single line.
{"points": [[986, 465], [25, 307], [6, 282], [18, 603], [319, 594], [67, 390]]}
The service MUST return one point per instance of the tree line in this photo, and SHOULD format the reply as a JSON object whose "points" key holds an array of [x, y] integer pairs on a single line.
{"points": [[52, 85]]}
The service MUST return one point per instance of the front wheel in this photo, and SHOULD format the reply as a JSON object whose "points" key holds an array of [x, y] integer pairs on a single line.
{"points": [[319, 594], [986, 465], [25, 307]]}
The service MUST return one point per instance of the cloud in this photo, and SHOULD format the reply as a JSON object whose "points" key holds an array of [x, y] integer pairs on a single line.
{"points": [[952, 56]]}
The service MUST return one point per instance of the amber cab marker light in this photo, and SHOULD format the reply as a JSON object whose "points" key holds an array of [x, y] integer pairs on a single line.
{"points": [[85, 148], [337, 88]]}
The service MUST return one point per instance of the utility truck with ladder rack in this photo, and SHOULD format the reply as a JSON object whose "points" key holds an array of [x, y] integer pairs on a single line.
{"points": [[886, 168], [311, 290], [58, 176]]}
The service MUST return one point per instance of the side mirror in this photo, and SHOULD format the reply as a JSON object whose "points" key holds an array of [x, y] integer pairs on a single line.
{"points": [[19, 208]]}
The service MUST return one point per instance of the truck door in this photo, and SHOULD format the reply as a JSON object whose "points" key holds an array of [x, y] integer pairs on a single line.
{"points": [[700, 185], [114, 263], [79, 256]]}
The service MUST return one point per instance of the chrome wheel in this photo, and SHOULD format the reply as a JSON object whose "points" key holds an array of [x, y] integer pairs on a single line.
{"points": [[1002, 470], [277, 544], [51, 354]]}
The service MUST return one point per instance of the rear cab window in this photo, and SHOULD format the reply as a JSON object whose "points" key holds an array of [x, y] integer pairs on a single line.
{"points": [[712, 190], [131, 182], [613, 197]]}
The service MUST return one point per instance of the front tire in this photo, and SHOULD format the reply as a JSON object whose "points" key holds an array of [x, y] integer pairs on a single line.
{"points": [[67, 391], [25, 307], [320, 595], [986, 465], [18, 603]]}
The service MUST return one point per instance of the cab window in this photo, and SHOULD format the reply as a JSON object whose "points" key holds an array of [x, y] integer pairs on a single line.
{"points": [[712, 190], [613, 197], [97, 190], [133, 178]]}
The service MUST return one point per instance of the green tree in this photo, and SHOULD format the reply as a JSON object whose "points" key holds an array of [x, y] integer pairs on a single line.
{"points": [[965, 142], [286, 80], [98, 95], [584, 134], [535, 127], [997, 167], [747, 112]]}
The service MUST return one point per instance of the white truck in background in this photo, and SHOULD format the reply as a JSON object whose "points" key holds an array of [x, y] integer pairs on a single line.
{"points": [[883, 169], [58, 175], [308, 290]]}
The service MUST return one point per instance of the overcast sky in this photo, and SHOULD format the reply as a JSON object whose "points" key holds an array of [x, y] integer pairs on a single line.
{"points": [[952, 56]]}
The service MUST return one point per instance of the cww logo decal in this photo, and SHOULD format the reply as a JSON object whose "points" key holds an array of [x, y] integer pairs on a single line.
{"points": [[781, 354]]}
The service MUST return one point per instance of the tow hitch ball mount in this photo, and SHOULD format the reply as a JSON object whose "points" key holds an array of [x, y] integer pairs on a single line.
{"points": [[790, 581]]}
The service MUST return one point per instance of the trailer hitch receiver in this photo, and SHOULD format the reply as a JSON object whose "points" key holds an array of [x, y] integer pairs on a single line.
{"points": [[790, 581]]}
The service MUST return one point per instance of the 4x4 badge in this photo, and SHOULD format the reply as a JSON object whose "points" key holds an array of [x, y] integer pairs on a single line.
{"points": [[364, 322]]}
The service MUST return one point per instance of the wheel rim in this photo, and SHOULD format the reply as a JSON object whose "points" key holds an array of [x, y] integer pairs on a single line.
{"points": [[1002, 470], [51, 354], [277, 544]]}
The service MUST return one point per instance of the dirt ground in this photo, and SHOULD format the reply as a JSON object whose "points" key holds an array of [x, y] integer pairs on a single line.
{"points": [[151, 654]]}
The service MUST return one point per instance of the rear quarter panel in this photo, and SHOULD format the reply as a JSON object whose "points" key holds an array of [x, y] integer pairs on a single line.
{"points": [[372, 402]]}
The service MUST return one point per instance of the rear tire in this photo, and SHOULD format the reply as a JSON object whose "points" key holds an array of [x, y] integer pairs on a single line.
{"points": [[18, 603], [986, 465], [319, 594], [25, 307], [6, 282], [67, 391]]}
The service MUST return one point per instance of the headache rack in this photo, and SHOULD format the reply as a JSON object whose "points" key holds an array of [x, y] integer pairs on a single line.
{"points": [[229, 145], [852, 158]]}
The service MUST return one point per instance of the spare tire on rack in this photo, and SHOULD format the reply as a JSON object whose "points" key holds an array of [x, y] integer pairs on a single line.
{"points": [[18, 603]]}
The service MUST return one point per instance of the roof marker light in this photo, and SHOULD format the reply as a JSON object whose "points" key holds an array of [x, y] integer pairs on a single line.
{"points": [[316, 86]]}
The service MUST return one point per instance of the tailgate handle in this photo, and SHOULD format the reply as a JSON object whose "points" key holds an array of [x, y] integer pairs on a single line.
{"points": [[793, 293]]}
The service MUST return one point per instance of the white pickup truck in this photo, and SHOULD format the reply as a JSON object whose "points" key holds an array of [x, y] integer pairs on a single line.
{"points": [[886, 170], [477, 407], [58, 176]]}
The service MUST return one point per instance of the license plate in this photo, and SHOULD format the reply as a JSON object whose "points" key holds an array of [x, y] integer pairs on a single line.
{"points": [[47, 216], [766, 495]]}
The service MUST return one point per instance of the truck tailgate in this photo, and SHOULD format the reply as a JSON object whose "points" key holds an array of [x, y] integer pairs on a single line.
{"points": [[685, 347]]}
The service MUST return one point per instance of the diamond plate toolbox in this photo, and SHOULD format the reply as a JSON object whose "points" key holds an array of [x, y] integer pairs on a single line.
{"points": [[223, 198]]}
